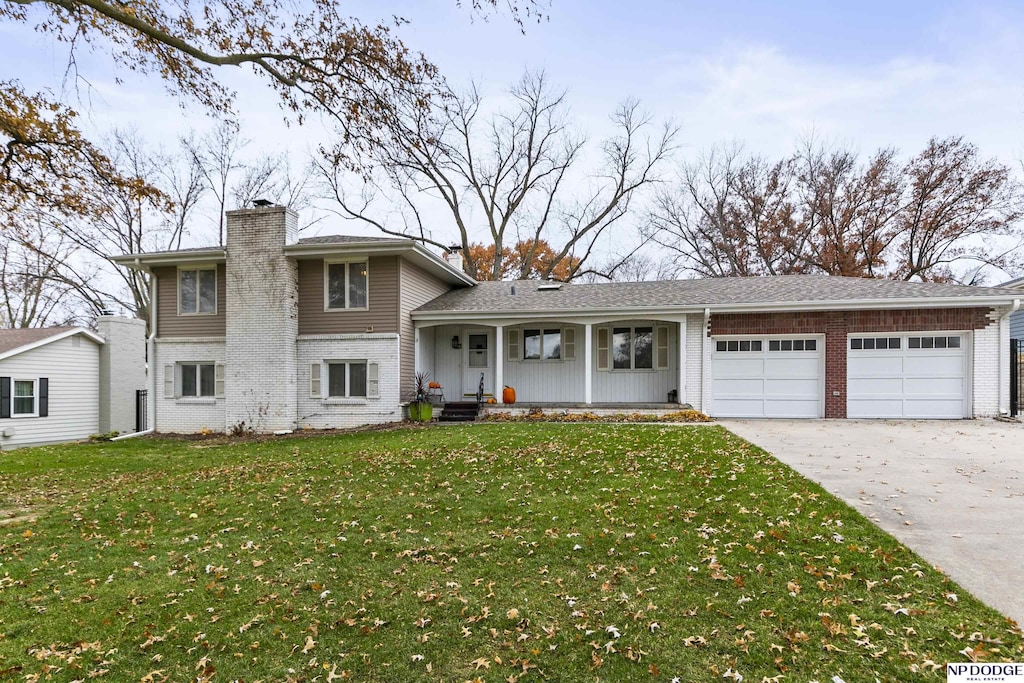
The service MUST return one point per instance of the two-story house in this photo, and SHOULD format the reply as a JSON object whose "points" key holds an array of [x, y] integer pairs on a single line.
{"points": [[274, 332]]}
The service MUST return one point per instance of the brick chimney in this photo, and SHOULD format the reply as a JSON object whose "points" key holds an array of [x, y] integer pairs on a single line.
{"points": [[261, 320]]}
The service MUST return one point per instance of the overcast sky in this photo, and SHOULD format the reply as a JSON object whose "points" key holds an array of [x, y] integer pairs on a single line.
{"points": [[864, 73]]}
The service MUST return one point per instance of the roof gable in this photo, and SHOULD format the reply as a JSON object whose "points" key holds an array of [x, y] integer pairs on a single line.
{"points": [[16, 341]]}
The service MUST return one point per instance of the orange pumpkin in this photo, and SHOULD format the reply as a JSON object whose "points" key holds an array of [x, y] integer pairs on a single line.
{"points": [[508, 395]]}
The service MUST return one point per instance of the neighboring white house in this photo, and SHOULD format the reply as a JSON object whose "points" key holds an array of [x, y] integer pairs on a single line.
{"points": [[65, 383]]}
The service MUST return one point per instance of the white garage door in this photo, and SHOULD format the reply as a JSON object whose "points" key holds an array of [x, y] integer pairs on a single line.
{"points": [[909, 375], [767, 377]]}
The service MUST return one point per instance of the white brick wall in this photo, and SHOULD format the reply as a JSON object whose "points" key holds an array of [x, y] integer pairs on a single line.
{"points": [[122, 371], [261, 320], [694, 360], [187, 415], [989, 383], [318, 413]]}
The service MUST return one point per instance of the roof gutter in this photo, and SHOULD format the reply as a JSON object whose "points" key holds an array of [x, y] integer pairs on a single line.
{"points": [[775, 306]]}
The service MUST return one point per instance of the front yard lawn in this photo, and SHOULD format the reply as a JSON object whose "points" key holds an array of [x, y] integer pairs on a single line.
{"points": [[498, 552]]}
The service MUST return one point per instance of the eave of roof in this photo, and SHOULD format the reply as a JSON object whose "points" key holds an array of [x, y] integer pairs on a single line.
{"points": [[421, 255], [497, 301], [145, 260], [57, 336]]}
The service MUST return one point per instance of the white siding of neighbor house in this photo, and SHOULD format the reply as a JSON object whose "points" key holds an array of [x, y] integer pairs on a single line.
{"points": [[73, 374], [321, 413], [187, 415]]}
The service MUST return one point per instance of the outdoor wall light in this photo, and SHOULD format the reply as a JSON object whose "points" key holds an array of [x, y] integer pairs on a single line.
{"points": [[455, 342]]}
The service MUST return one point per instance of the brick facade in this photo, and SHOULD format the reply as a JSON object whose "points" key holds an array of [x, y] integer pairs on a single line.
{"points": [[836, 325]]}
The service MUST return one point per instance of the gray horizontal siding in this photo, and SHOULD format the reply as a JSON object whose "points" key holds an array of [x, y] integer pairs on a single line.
{"points": [[1017, 325], [418, 287]]}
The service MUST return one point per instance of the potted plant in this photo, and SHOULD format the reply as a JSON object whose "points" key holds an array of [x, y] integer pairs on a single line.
{"points": [[420, 408]]}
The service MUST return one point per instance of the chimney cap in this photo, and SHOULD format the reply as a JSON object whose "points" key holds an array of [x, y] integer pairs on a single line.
{"points": [[262, 202], [455, 248]]}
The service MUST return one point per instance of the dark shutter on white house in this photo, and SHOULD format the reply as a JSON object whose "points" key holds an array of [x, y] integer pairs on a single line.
{"points": [[5, 396], [44, 397]]}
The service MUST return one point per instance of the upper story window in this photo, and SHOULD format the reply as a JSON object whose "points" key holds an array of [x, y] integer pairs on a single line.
{"points": [[346, 285], [197, 291]]}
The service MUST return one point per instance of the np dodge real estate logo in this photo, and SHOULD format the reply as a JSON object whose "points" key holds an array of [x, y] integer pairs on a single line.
{"points": [[985, 673]]}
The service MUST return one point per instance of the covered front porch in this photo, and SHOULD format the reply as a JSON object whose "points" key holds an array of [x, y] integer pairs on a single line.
{"points": [[573, 362]]}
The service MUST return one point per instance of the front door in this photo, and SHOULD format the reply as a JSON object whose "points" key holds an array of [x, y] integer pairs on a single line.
{"points": [[478, 360]]}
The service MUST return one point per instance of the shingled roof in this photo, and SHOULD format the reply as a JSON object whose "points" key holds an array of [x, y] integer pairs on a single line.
{"points": [[13, 339], [530, 295], [348, 239]]}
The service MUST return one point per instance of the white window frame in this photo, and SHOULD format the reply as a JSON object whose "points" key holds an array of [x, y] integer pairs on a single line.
{"points": [[197, 270], [325, 380], [543, 331], [348, 261], [218, 380], [35, 397], [632, 348]]}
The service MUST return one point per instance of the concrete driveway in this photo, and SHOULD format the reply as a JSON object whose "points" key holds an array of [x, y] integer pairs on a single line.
{"points": [[951, 491]]}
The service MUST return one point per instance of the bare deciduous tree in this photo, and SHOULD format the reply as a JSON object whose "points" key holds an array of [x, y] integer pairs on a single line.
{"points": [[939, 216], [507, 178]]}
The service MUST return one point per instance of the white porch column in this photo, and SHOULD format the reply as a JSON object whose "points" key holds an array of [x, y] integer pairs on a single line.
{"points": [[499, 363], [682, 360], [588, 362]]}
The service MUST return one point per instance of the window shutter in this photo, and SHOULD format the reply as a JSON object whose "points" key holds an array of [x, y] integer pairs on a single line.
{"points": [[569, 343], [602, 348], [44, 397], [5, 396], [513, 345], [315, 390], [661, 344], [218, 380], [372, 380], [168, 381]]}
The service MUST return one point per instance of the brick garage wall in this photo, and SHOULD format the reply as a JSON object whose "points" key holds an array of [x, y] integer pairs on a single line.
{"points": [[836, 325]]}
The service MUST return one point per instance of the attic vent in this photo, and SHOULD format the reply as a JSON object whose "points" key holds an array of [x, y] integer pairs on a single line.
{"points": [[549, 286]]}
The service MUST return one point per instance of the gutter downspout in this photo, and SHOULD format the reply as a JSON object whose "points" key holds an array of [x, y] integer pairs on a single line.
{"points": [[150, 366], [1004, 360]]}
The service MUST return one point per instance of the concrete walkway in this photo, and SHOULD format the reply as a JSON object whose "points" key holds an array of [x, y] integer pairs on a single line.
{"points": [[951, 491]]}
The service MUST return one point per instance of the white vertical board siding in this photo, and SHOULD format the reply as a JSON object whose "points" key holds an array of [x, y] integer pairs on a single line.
{"points": [[187, 415], [694, 360], [320, 413], [547, 381], [74, 395], [637, 386], [446, 367]]}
